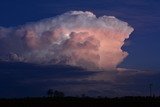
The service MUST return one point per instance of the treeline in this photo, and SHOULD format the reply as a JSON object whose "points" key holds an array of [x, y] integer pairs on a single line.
{"points": [[56, 98]]}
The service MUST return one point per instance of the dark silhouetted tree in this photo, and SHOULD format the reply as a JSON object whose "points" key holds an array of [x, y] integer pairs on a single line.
{"points": [[150, 89], [50, 93], [58, 94], [83, 95]]}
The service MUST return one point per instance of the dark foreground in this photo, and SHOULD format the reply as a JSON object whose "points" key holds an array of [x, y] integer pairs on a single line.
{"points": [[81, 102]]}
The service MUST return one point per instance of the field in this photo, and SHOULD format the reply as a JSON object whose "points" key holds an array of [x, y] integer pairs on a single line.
{"points": [[81, 102]]}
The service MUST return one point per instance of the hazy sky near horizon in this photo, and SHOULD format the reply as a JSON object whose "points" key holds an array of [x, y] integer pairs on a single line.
{"points": [[143, 45]]}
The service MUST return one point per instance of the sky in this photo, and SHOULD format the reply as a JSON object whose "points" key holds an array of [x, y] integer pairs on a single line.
{"points": [[140, 67]]}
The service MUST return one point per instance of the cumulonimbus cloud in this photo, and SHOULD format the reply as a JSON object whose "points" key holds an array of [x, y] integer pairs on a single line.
{"points": [[74, 38]]}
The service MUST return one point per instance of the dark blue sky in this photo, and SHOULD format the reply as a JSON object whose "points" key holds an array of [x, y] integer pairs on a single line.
{"points": [[143, 46]]}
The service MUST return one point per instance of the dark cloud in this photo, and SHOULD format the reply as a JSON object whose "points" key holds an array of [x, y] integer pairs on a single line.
{"points": [[16, 76], [19, 79]]}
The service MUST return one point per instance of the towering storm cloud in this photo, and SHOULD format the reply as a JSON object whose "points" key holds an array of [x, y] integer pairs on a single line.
{"points": [[74, 38]]}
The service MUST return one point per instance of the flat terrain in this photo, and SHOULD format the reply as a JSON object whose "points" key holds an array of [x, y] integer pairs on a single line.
{"points": [[81, 102]]}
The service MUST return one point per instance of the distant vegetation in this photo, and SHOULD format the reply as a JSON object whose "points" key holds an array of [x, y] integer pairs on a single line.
{"points": [[58, 99], [55, 94]]}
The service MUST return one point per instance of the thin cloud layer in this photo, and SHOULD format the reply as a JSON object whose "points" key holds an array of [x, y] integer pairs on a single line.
{"points": [[24, 79]]}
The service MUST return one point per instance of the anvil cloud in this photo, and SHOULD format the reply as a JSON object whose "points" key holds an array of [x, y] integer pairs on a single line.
{"points": [[74, 38]]}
